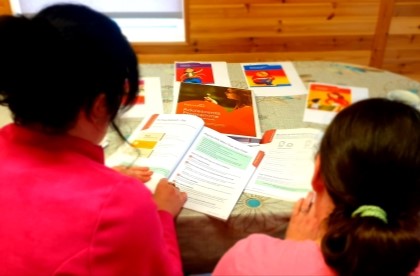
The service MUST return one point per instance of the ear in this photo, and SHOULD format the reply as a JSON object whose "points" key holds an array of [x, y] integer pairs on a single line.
{"points": [[99, 110], [317, 180]]}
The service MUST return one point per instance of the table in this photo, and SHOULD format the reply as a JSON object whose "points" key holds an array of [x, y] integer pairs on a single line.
{"points": [[204, 239]]}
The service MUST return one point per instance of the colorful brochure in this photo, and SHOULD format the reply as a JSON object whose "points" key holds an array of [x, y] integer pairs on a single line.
{"points": [[324, 101], [273, 79], [228, 110], [213, 73]]}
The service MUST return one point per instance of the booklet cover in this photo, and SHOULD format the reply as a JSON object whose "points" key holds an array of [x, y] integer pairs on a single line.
{"points": [[200, 72], [228, 110], [273, 79], [212, 168], [324, 101]]}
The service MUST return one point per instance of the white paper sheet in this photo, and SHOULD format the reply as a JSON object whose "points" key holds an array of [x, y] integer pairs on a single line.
{"points": [[286, 171], [149, 99]]}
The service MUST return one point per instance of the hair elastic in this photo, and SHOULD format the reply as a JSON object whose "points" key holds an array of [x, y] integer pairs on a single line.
{"points": [[371, 211]]}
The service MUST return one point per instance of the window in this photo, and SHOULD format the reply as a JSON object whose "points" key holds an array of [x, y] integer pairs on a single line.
{"points": [[140, 20]]}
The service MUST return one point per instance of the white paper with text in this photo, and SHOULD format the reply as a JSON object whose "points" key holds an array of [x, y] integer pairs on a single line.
{"points": [[286, 171], [214, 173]]}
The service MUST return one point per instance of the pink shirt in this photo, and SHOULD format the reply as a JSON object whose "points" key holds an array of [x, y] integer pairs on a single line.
{"points": [[260, 254], [64, 212]]}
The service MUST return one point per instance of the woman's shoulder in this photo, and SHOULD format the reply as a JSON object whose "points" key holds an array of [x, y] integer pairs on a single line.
{"points": [[265, 244], [262, 254]]}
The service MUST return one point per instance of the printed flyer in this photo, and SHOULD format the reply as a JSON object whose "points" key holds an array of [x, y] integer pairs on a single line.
{"points": [[324, 101], [273, 79], [228, 110]]}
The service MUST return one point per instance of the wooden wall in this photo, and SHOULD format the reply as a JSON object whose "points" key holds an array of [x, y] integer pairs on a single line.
{"points": [[267, 30], [402, 52], [4, 7], [379, 33]]}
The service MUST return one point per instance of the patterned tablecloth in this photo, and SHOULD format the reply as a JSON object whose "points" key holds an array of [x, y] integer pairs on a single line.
{"points": [[203, 239]]}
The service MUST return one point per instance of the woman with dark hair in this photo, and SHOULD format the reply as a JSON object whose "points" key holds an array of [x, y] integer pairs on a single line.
{"points": [[65, 74], [241, 97], [363, 216]]}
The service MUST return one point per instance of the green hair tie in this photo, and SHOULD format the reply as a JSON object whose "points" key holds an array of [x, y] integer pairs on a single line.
{"points": [[370, 211]]}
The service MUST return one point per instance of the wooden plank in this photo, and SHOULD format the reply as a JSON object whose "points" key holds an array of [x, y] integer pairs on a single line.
{"points": [[406, 42], [405, 25], [406, 55], [355, 57], [407, 9], [269, 44], [324, 10], [404, 62], [379, 43], [272, 27], [249, 2], [5, 7], [406, 1]]}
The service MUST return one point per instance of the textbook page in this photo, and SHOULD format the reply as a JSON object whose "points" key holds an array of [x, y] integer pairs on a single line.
{"points": [[286, 171], [159, 142], [214, 173]]}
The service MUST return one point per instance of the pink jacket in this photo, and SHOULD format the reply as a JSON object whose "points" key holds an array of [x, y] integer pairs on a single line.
{"points": [[64, 213], [260, 254]]}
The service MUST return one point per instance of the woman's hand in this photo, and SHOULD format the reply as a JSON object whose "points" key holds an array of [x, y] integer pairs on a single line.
{"points": [[210, 100], [168, 197], [143, 174], [303, 223]]}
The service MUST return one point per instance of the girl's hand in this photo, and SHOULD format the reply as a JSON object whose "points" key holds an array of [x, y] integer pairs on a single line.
{"points": [[168, 197], [303, 223], [143, 174]]}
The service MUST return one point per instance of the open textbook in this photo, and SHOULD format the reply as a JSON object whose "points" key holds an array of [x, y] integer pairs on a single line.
{"points": [[286, 171], [211, 167]]}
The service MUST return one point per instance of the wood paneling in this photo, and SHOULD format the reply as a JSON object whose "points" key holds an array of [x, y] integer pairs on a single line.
{"points": [[380, 33], [263, 30], [386, 11], [402, 52], [357, 57], [5, 7]]}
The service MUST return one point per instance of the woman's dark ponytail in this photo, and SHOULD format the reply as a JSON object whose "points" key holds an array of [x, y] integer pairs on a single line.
{"points": [[369, 246], [370, 157]]}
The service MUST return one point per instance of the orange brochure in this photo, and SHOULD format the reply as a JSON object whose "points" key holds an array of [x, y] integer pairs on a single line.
{"points": [[228, 110]]}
